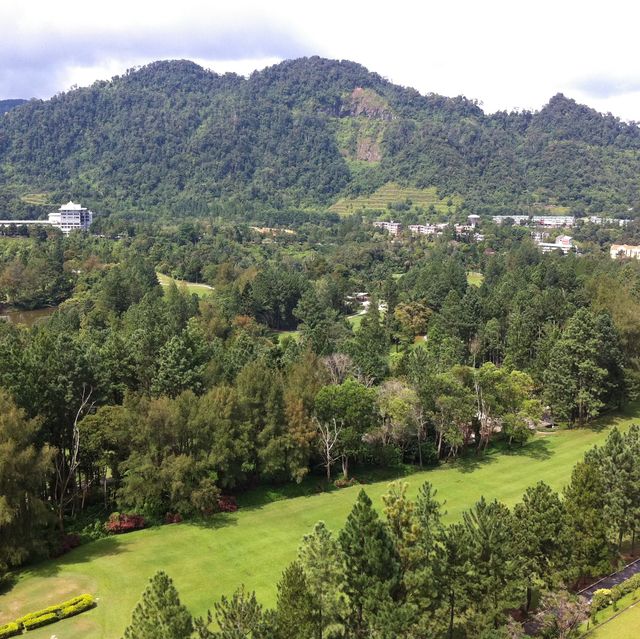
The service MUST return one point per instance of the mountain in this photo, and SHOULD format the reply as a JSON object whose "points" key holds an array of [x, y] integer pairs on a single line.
{"points": [[173, 138], [7, 105]]}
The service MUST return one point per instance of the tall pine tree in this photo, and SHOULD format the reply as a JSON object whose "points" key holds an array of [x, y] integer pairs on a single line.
{"points": [[159, 614]]}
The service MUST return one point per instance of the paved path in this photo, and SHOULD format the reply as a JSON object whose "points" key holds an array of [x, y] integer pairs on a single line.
{"points": [[611, 580]]}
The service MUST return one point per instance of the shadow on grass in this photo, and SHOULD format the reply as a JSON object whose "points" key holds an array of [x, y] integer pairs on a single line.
{"points": [[215, 522], [7, 583], [536, 449], [318, 484]]}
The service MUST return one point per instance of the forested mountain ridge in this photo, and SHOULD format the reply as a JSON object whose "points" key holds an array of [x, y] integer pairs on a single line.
{"points": [[174, 138], [7, 105]]}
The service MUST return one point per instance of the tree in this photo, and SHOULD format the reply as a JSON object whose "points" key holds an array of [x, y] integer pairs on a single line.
{"points": [[349, 411], [370, 345], [498, 572], [561, 615], [24, 467], [542, 537], [321, 559], [160, 614], [296, 609], [372, 568], [240, 617], [585, 503], [576, 378]]}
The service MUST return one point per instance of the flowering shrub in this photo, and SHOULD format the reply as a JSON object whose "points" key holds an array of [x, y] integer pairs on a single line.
{"points": [[172, 518], [119, 523], [67, 543], [227, 504]]}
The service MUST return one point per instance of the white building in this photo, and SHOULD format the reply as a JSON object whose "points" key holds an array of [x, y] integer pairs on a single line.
{"points": [[69, 217], [392, 227], [624, 250], [563, 242]]}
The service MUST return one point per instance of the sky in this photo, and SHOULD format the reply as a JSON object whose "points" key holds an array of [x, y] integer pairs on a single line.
{"points": [[505, 54]]}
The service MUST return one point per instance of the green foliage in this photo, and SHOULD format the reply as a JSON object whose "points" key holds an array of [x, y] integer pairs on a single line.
{"points": [[160, 614], [10, 629], [42, 620]]}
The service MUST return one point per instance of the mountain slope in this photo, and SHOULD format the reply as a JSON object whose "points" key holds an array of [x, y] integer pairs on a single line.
{"points": [[174, 138]]}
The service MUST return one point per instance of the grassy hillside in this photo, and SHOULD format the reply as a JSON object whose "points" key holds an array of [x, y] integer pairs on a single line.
{"points": [[256, 543], [393, 193], [625, 626]]}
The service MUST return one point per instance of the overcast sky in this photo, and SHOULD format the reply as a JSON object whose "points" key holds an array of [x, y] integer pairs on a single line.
{"points": [[505, 54]]}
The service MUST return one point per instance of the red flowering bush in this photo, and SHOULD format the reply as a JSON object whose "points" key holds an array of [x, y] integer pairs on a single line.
{"points": [[66, 544], [227, 504], [120, 523], [172, 518]]}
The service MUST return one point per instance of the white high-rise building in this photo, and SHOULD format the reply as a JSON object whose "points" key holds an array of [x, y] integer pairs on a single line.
{"points": [[71, 217]]}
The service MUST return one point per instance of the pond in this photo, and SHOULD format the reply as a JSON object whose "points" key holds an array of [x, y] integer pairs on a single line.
{"points": [[28, 318]]}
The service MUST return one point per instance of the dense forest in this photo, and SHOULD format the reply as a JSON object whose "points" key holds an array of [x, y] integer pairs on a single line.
{"points": [[174, 139], [144, 399]]}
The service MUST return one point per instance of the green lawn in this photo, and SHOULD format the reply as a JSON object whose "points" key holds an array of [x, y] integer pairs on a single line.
{"points": [[256, 543], [201, 290], [625, 626]]}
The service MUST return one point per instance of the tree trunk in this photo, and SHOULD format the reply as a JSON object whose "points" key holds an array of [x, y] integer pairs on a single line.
{"points": [[345, 466], [452, 600], [529, 597], [419, 449]]}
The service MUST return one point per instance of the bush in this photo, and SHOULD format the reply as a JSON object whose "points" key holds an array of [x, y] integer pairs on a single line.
{"points": [[172, 518], [76, 606], [345, 483], [10, 630], [119, 523], [604, 597], [53, 613], [66, 544], [42, 620], [227, 504], [601, 599]]}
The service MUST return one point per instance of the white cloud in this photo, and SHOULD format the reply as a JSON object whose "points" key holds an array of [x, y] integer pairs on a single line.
{"points": [[504, 54]]}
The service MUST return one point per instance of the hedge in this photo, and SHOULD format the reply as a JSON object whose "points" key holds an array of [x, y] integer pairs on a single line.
{"points": [[10, 630], [43, 620], [604, 597], [51, 614]]}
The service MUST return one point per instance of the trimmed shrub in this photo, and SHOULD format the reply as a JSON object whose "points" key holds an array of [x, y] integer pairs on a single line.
{"points": [[227, 504], [54, 613], [76, 606], [39, 613], [10, 630], [119, 523], [43, 620]]}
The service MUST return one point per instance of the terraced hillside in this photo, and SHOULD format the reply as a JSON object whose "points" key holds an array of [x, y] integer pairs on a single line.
{"points": [[394, 194]]}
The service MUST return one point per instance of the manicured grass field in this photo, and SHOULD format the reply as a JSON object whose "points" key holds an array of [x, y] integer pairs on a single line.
{"points": [[256, 543], [201, 290], [626, 626]]}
